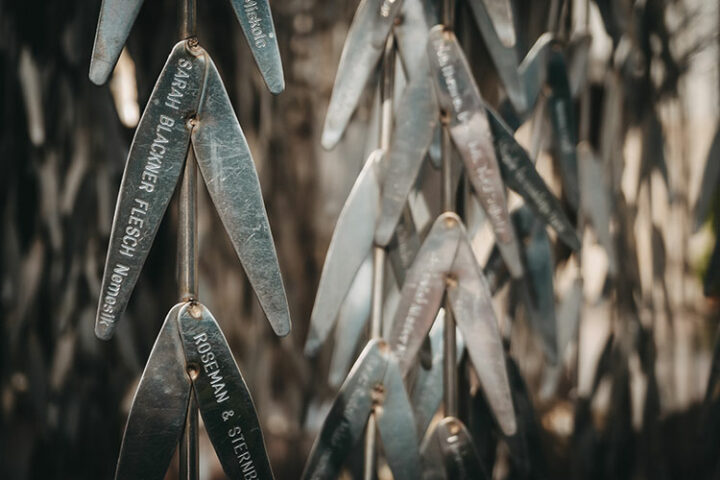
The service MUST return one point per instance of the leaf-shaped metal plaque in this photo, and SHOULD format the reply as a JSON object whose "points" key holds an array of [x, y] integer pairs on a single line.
{"points": [[427, 390], [396, 424], [222, 396], [520, 174], [227, 167], [348, 415], [415, 122], [533, 68], [457, 450], [562, 116], [157, 414], [459, 96], [114, 24], [352, 319], [471, 303], [257, 25], [505, 57], [423, 289], [350, 244], [156, 158], [363, 47]]}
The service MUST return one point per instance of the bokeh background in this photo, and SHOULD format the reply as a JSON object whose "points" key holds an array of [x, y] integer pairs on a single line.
{"points": [[634, 406]]}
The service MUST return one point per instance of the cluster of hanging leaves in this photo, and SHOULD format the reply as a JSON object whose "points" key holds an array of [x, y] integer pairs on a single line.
{"points": [[64, 394]]}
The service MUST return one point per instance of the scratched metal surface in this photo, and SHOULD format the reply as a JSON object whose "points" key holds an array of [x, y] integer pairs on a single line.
{"points": [[224, 159], [156, 158], [223, 398], [158, 411]]}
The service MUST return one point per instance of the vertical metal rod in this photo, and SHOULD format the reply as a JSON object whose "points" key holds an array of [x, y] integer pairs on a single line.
{"points": [[450, 380], [187, 261], [387, 87]]}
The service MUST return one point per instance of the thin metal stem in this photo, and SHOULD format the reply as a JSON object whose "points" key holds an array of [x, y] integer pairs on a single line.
{"points": [[387, 87], [187, 261], [188, 288], [188, 18], [450, 378]]}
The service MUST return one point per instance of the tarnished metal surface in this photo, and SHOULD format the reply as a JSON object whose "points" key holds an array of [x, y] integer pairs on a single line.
{"points": [[363, 47], [416, 120], [257, 24], [189, 102], [351, 242], [451, 444], [114, 24], [533, 68], [118, 16], [501, 15], [538, 286], [157, 414], [156, 158], [427, 390], [472, 305], [227, 167], [459, 96], [222, 396], [520, 175], [344, 425], [352, 319], [423, 289], [562, 116], [504, 57], [396, 424]]}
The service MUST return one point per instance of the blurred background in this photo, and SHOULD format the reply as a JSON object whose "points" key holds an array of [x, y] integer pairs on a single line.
{"points": [[631, 399]]}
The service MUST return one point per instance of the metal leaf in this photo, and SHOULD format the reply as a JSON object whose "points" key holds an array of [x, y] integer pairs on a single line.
{"points": [[222, 396], [156, 158], [350, 244], [227, 167]]}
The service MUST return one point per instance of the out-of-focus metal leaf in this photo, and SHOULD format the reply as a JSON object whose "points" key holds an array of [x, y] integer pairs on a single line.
{"points": [[504, 57], [469, 128], [423, 289], [578, 62], [396, 424], [427, 390], [710, 178], [346, 420], [351, 242], [363, 47], [533, 68], [596, 200], [227, 167], [153, 168], [519, 173], [353, 316], [459, 455], [158, 411], [471, 303], [562, 116], [222, 396], [415, 122]]}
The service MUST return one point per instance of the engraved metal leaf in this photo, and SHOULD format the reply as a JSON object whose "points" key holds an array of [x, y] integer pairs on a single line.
{"points": [[222, 396], [227, 167], [156, 158], [469, 128]]}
